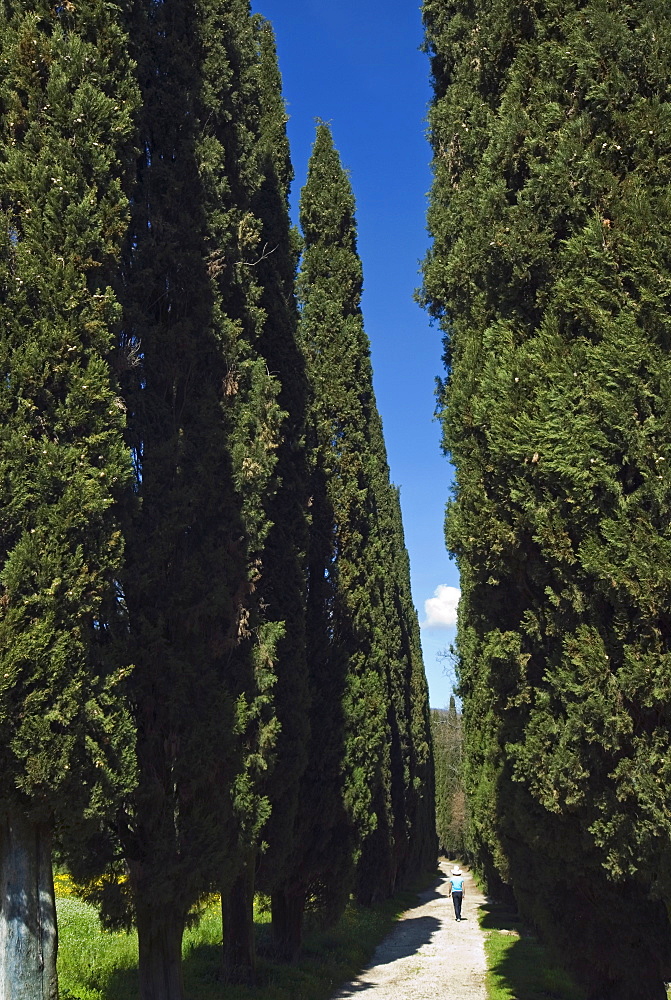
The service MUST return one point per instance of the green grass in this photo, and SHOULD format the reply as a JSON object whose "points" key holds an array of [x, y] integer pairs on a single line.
{"points": [[90, 959], [94, 964], [518, 967]]}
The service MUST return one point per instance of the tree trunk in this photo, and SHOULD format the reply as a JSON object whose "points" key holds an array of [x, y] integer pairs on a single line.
{"points": [[160, 935], [287, 907], [237, 910], [28, 935]]}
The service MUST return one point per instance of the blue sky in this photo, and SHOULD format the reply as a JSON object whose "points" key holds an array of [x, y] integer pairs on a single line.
{"points": [[356, 64]]}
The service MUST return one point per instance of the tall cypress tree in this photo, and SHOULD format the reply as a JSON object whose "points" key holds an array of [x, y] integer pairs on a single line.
{"points": [[284, 584], [549, 274], [67, 97], [447, 733], [204, 425], [420, 780], [439, 733], [360, 731], [346, 687], [403, 843]]}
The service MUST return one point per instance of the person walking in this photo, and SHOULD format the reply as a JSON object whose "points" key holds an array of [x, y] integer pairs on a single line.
{"points": [[457, 890]]}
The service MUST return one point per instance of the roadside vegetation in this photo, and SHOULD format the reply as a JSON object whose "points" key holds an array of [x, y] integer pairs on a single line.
{"points": [[549, 276], [518, 966], [195, 483], [95, 964]]}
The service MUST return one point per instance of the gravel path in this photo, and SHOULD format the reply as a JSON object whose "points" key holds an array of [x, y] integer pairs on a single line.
{"points": [[428, 955]]}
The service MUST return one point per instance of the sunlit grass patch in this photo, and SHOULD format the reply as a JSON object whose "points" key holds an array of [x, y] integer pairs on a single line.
{"points": [[517, 964], [90, 958], [95, 964]]}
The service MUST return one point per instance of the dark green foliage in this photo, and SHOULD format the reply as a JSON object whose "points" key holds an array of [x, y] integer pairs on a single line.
{"points": [[403, 843], [67, 99], [368, 786], [419, 772], [283, 586], [204, 425], [346, 668], [447, 732], [549, 274], [147, 268]]}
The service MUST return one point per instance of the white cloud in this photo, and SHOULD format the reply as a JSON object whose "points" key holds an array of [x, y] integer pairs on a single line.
{"points": [[441, 609]]}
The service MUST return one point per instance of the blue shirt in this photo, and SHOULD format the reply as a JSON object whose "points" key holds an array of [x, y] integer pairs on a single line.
{"points": [[457, 883]]}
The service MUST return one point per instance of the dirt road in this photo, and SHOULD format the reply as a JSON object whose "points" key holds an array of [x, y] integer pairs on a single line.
{"points": [[428, 955]]}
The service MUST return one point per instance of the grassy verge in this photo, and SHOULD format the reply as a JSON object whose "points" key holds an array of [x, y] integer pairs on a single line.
{"points": [[97, 965], [518, 967]]}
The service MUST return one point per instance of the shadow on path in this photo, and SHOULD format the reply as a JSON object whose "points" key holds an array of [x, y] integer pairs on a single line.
{"points": [[355, 988], [433, 892], [407, 938]]}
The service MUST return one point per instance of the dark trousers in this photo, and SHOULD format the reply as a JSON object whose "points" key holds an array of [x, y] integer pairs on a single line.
{"points": [[456, 899]]}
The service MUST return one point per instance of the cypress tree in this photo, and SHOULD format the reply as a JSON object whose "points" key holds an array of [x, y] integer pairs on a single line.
{"points": [[438, 733], [549, 275], [418, 773], [346, 691], [360, 727], [421, 799], [283, 587], [67, 98], [204, 425], [447, 734], [403, 843]]}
